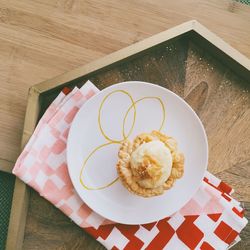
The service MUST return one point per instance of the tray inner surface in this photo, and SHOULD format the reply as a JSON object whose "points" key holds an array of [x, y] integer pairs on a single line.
{"points": [[219, 95]]}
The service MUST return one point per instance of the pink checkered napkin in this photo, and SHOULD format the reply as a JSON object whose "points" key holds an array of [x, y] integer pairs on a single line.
{"points": [[42, 164], [212, 219]]}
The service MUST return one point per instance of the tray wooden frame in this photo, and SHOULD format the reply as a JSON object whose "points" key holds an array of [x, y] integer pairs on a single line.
{"points": [[231, 57]]}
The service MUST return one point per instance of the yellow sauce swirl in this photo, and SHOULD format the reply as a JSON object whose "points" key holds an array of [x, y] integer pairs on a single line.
{"points": [[110, 141]]}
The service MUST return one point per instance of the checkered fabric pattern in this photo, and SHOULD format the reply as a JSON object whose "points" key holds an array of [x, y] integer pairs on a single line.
{"points": [[211, 220], [244, 1]]}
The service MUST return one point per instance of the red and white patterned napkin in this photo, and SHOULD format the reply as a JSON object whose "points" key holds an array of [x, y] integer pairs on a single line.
{"points": [[212, 219]]}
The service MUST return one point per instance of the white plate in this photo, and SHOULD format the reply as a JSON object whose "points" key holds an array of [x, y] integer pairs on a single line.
{"points": [[115, 202]]}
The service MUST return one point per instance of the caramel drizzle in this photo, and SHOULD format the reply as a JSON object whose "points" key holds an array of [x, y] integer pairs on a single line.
{"points": [[111, 141]]}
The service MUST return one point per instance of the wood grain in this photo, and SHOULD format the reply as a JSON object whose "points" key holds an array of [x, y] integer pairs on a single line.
{"points": [[217, 94], [6, 165], [41, 39]]}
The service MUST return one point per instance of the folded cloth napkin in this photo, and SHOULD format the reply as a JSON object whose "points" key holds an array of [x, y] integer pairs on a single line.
{"points": [[212, 219]]}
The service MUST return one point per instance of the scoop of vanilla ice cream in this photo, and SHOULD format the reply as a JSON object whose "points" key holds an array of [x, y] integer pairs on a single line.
{"points": [[158, 164]]}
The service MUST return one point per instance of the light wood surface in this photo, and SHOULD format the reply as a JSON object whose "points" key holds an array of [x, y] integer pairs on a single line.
{"points": [[41, 39], [66, 34]]}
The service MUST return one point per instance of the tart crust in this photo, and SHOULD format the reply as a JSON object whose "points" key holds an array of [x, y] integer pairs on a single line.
{"points": [[124, 168]]}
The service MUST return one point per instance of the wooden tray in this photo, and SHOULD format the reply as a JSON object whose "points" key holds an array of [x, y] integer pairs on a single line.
{"points": [[187, 59]]}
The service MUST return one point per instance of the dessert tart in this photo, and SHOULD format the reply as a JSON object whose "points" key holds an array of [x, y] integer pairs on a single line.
{"points": [[150, 164]]}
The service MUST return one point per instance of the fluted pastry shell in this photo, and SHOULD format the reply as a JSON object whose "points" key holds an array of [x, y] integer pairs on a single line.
{"points": [[124, 166]]}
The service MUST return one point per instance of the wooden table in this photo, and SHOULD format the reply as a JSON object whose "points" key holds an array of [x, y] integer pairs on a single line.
{"points": [[39, 40]]}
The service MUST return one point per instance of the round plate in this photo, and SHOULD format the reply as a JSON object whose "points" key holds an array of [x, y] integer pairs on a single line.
{"points": [[126, 110]]}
